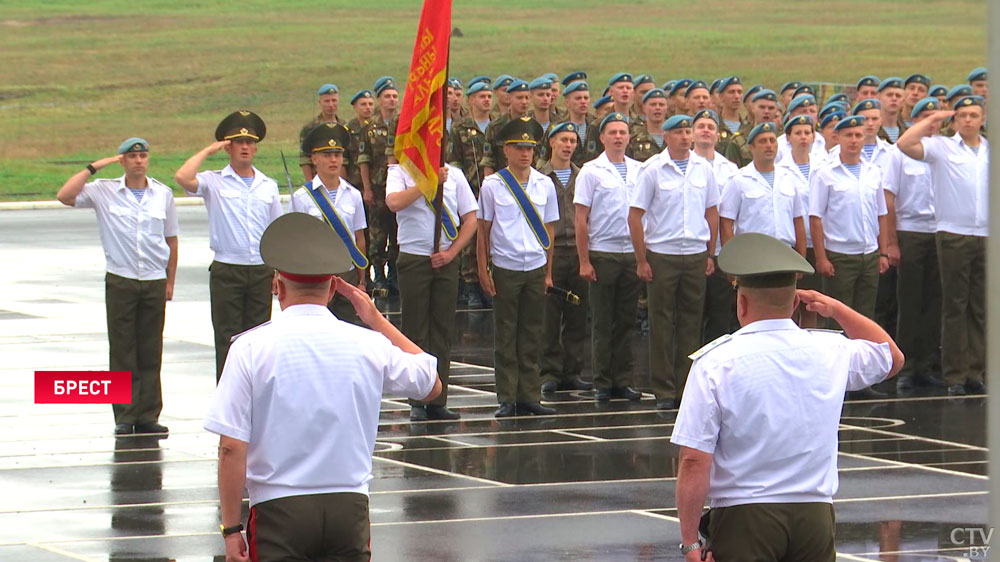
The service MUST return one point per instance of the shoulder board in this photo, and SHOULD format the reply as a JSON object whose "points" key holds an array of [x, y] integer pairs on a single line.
{"points": [[821, 330], [710, 346], [736, 134], [232, 339]]}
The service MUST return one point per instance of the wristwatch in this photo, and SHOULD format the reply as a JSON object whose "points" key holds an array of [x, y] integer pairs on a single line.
{"points": [[226, 531], [693, 546]]}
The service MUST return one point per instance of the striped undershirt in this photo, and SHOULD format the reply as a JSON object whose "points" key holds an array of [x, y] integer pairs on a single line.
{"points": [[658, 139], [563, 175], [733, 126], [138, 192], [248, 181], [854, 169], [682, 164], [622, 169], [804, 168], [768, 177], [582, 129], [868, 149], [893, 132], [482, 124]]}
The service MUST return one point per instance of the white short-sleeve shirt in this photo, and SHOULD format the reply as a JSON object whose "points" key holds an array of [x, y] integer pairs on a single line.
{"points": [[133, 233], [766, 404], [849, 206], [237, 215], [346, 200], [801, 183], [304, 392], [909, 181], [675, 203], [961, 184], [724, 171], [415, 233], [600, 187], [755, 206], [513, 245]]}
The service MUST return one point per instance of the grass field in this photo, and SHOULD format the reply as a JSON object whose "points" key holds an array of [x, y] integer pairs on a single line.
{"points": [[77, 77]]}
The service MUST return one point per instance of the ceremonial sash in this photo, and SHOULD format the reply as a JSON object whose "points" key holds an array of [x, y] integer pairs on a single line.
{"points": [[447, 219], [527, 207], [333, 219]]}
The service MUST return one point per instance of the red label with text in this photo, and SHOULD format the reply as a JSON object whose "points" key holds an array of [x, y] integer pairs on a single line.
{"points": [[83, 387]]}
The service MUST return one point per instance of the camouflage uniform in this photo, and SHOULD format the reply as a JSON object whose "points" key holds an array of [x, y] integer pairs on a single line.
{"points": [[465, 151], [372, 150], [351, 168], [592, 145], [738, 151], [641, 145], [493, 156], [725, 137]]}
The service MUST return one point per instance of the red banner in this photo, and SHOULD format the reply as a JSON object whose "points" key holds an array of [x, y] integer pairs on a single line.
{"points": [[83, 387], [420, 132]]}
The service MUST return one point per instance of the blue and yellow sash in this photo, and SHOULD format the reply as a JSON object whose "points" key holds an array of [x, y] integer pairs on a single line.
{"points": [[447, 219], [333, 219], [527, 207]]}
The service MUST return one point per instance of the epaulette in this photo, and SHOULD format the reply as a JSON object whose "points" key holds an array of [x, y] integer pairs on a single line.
{"points": [[824, 330], [232, 339], [736, 134], [710, 346]]}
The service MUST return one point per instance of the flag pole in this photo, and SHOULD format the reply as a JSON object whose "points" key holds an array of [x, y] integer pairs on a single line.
{"points": [[439, 192]]}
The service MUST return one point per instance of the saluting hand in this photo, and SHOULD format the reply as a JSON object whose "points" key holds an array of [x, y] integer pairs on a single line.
{"points": [[109, 160], [363, 305], [217, 146], [825, 306]]}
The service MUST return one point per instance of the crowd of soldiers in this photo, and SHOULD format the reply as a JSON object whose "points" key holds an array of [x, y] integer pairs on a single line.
{"points": [[615, 208]]}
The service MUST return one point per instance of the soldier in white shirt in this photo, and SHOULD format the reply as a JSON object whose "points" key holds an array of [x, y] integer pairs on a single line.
{"points": [[428, 275], [960, 175], [769, 470], [298, 406], [326, 144], [802, 105], [910, 225], [673, 222], [720, 306], [137, 221], [607, 259], [761, 197], [241, 201], [847, 221], [518, 208]]}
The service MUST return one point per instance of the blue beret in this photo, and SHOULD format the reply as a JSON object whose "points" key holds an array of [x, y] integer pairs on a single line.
{"points": [[327, 89], [654, 93], [134, 144], [870, 80], [938, 90], [540, 83], [643, 79], [803, 89], [789, 86], [849, 122], [503, 80], [838, 97], [620, 77], [968, 101], [668, 85], [765, 127], [865, 105], [977, 74], [835, 116], [679, 85], [714, 87], [477, 87], [807, 100], [753, 90], [573, 77], [601, 101], [455, 83], [831, 107], [706, 114], [384, 83], [765, 94], [564, 127], [919, 79], [894, 82], [959, 91], [678, 122], [517, 86], [727, 82], [694, 86], [928, 103], [362, 94], [611, 118], [552, 76], [576, 86], [798, 120], [478, 79]]}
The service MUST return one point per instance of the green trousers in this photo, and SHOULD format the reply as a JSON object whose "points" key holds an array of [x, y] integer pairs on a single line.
{"points": [[332, 527], [241, 299], [614, 299], [786, 532], [855, 281], [720, 307], [518, 317], [676, 302], [565, 323], [135, 314], [427, 302], [962, 261], [918, 292]]}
